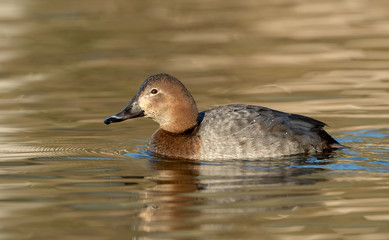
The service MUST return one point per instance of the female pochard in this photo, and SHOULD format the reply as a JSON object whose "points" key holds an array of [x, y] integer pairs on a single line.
{"points": [[235, 131]]}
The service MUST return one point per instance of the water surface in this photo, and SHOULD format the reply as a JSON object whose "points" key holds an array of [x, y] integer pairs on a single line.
{"points": [[67, 65]]}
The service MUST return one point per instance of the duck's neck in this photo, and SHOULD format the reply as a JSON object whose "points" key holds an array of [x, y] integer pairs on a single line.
{"points": [[182, 119]]}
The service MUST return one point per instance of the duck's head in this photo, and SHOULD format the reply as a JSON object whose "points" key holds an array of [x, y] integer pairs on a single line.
{"points": [[165, 99]]}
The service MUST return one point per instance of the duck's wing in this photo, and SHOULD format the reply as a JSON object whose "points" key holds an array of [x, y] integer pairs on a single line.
{"points": [[251, 121]]}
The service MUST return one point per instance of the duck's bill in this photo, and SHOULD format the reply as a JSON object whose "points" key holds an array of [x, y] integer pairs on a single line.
{"points": [[131, 111], [113, 119]]}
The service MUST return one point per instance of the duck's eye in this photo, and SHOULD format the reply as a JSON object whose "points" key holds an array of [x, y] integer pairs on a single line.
{"points": [[154, 91]]}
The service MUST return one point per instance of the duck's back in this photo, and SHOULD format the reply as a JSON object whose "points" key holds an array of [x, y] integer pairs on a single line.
{"points": [[252, 132]]}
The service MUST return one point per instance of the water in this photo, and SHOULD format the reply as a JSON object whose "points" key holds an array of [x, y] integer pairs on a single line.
{"points": [[67, 65]]}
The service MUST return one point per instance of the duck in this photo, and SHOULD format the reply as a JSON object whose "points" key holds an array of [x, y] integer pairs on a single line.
{"points": [[234, 131]]}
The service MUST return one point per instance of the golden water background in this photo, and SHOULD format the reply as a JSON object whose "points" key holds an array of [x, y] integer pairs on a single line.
{"points": [[67, 65]]}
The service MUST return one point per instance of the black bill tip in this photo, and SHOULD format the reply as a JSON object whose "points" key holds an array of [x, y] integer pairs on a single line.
{"points": [[112, 119]]}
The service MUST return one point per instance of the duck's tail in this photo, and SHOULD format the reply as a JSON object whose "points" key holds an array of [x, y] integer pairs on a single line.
{"points": [[329, 141]]}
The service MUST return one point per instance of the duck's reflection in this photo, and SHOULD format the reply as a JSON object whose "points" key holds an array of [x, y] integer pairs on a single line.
{"points": [[185, 190], [170, 204]]}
